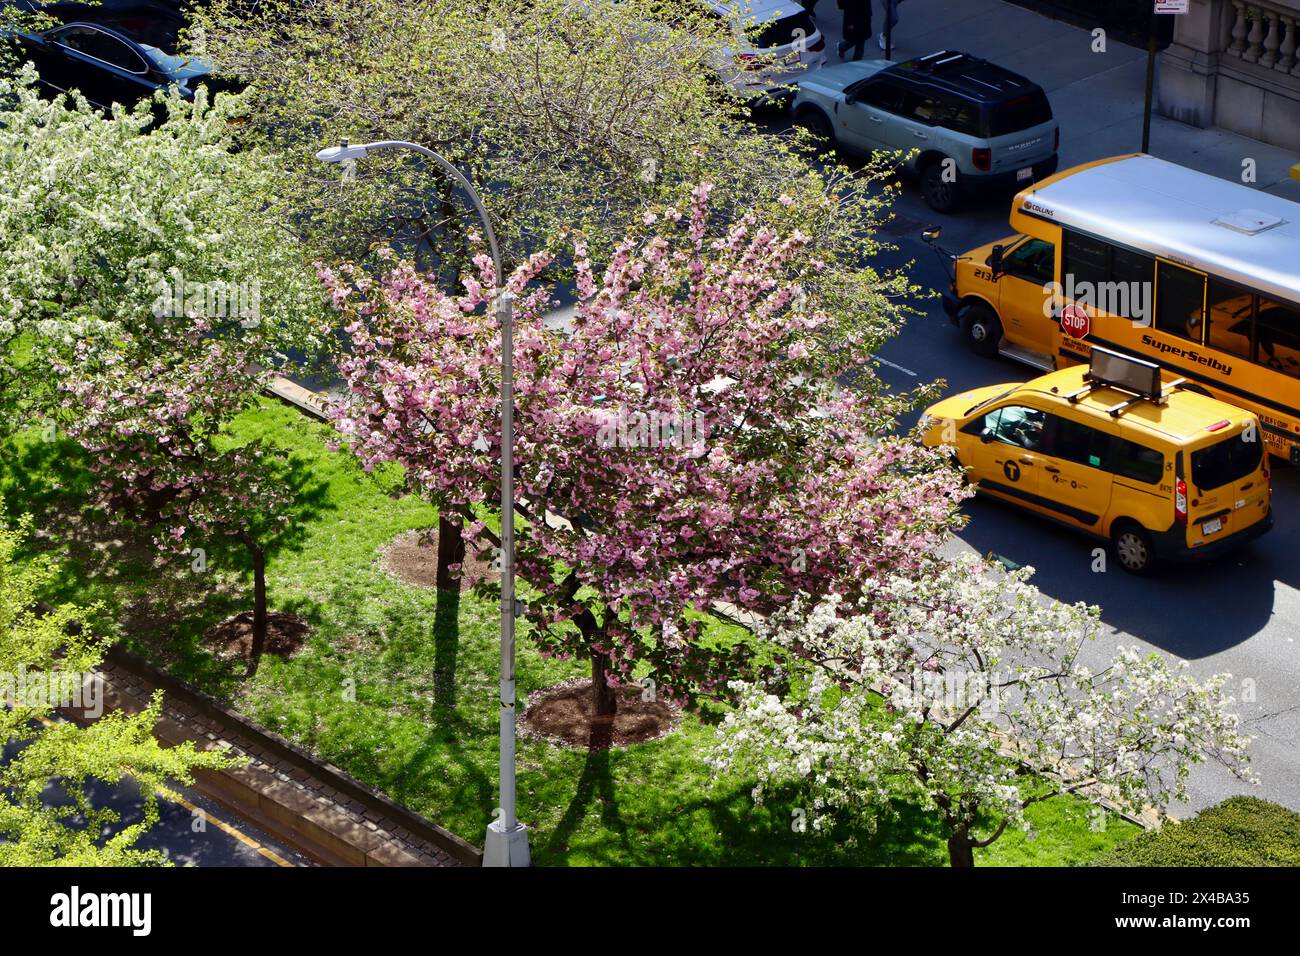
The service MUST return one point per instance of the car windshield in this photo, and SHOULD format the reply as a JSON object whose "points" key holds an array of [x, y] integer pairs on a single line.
{"points": [[177, 66], [1227, 461], [1011, 116]]}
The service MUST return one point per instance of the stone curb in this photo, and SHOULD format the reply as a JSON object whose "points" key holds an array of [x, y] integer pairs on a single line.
{"points": [[329, 815]]}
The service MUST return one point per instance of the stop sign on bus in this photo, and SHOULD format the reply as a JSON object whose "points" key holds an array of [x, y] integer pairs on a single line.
{"points": [[1074, 321]]}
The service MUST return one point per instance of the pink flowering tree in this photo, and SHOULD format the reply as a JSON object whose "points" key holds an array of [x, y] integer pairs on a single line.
{"points": [[682, 443], [150, 418]]}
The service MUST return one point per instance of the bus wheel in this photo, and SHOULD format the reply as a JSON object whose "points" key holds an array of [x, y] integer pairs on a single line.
{"points": [[1133, 548], [982, 330]]}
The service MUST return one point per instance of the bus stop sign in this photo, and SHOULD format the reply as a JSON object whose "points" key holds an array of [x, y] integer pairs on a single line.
{"points": [[1075, 322]]}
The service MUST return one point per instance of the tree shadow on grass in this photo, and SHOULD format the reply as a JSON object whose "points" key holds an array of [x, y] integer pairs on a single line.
{"points": [[159, 606], [446, 643], [595, 785]]}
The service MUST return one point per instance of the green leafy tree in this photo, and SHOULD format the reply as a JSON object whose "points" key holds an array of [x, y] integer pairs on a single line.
{"points": [[44, 650]]}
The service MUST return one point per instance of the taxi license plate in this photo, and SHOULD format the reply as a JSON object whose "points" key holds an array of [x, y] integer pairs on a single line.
{"points": [[1023, 174], [1213, 526]]}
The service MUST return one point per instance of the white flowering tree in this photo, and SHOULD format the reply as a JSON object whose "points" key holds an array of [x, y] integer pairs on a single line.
{"points": [[961, 691], [112, 225]]}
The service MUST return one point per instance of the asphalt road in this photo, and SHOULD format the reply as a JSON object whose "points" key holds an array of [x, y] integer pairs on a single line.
{"points": [[191, 829]]}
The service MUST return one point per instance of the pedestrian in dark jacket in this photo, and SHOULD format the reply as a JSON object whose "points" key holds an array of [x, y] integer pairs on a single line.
{"points": [[857, 26]]}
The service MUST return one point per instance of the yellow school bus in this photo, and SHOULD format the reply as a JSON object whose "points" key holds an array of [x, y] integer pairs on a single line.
{"points": [[1154, 260]]}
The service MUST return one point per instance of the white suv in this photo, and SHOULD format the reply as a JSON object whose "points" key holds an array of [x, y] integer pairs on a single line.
{"points": [[962, 123], [777, 43]]}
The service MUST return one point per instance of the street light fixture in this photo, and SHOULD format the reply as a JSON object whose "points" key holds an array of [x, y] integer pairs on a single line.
{"points": [[507, 838]]}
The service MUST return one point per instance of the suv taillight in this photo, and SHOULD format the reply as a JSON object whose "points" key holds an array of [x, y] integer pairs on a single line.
{"points": [[982, 158], [818, 46], [1180, 501]]}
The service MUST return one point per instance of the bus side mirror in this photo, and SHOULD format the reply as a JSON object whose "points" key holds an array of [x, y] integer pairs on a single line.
{"points": [[995, 260]]}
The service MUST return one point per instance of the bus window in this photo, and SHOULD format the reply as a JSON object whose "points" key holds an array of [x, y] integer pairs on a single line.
{"points": [[1277, 325], [1137, 272], [1180, 300], [1034, 261], [1129, 266], [1231, 313], [1085, 259]]}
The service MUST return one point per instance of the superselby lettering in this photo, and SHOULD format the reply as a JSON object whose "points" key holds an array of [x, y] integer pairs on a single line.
{"points": [[1189, 355], [74, 909]]}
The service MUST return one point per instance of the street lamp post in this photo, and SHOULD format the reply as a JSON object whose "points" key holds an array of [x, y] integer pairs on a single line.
{"points": [[507, 838]]}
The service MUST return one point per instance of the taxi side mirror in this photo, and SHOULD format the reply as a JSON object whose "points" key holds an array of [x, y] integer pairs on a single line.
{"points": [[986, 435], [930, 234]]}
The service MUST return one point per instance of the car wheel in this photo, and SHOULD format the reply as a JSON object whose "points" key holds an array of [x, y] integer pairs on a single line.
{"points": [[819, 125], [1133, 548], [940, 194], [982, 330]]}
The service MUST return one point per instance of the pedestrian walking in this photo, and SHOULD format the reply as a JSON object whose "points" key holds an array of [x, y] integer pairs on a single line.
{"points": [[857, 27], [890, 8]]}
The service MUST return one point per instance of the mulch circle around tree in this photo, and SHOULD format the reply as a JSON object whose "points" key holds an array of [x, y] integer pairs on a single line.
{"points": [[233, 638], [412, 557], [563, 715]]}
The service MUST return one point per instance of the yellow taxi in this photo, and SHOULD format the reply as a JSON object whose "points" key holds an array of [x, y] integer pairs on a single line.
{"points": [[1159, 469]]}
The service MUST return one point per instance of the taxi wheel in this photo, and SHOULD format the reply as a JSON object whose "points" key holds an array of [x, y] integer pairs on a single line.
{"points": [[982, 330], [1133, 549]]}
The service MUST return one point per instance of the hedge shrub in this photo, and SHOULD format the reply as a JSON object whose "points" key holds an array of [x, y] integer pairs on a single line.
{"points": [[1240, 831]]}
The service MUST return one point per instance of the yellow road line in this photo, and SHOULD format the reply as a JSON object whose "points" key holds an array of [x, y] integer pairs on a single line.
{"points": [[234, 831], [222, 825]]}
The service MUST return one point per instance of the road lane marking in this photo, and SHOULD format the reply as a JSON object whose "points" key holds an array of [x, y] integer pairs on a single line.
{"points": [[906, 371], [228, 828]]}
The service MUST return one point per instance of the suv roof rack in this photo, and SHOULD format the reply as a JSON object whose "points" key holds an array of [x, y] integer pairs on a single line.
{"points": [[965, 73], [1136, 377]]}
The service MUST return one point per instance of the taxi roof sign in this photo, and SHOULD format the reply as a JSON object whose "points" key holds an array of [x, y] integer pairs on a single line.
{"points": [[1125, 372]]}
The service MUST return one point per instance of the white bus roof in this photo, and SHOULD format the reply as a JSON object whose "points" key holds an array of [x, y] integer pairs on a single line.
{"points": [[1171, 211]]}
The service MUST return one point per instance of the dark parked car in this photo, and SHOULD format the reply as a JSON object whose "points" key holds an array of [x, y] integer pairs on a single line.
{"points": [[108, 66]]}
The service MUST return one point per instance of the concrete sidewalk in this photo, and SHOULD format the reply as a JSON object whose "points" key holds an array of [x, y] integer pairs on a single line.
{"points": [[1096, 96]]}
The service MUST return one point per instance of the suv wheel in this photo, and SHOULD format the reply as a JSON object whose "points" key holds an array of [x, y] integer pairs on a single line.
{"points": [[818, 124], [982, 330], [940, 195], [1133, 548]]}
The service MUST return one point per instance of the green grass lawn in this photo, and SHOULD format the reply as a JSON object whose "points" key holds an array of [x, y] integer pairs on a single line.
{"points": [[397, 685]]}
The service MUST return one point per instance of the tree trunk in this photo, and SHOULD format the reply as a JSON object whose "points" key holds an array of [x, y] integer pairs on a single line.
{"points": [[604, 703], [961, 852], [451, 550], [259, 608]]}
